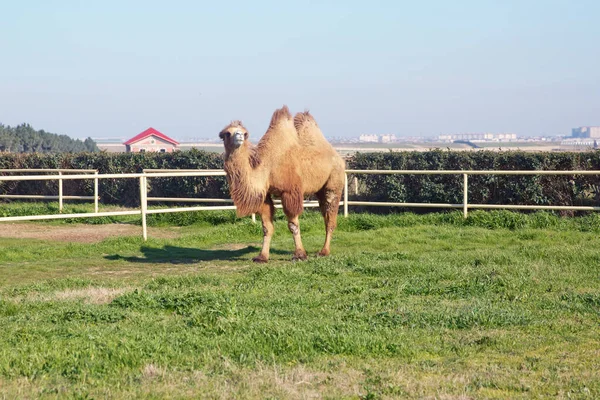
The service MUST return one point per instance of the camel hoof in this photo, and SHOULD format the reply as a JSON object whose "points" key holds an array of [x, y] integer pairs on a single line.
{"points": [[323, 253], [300, 257], [260, 259]]}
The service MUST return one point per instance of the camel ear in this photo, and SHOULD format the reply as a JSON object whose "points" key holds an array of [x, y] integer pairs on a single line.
{"points": [[246, 135], [222, 135]]}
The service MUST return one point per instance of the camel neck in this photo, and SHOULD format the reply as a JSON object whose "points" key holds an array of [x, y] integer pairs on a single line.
{"points": [[240, 159], [248, 183]]}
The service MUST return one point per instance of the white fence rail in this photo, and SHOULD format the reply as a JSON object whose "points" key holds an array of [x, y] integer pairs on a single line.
{"points": [[60, 195], [465, 204], [143, 211]]}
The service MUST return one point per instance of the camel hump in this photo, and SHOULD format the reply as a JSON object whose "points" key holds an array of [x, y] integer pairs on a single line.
{"points": [[281, 114], [308, 131], [280, 136], [302, 120]]}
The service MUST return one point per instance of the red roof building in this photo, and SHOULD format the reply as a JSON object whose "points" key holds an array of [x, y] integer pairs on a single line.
{"points": [[151, 140]]}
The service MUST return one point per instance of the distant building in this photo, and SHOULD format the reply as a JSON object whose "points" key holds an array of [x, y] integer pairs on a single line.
{"points": [[479, 137], [586, 132], [368, 138], [151, 140], [110, 145], [581, 142], [387, 138], [507, 136]]}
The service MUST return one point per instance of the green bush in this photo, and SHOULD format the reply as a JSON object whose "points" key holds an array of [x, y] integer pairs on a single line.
{"points": [[483, 189]]}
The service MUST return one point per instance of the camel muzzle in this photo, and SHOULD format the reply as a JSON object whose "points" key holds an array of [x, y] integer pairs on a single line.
{"points": [[238, 139]]}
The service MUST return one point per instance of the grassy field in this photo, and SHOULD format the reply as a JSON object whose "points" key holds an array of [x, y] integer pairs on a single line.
{"points": [[501, 305]]}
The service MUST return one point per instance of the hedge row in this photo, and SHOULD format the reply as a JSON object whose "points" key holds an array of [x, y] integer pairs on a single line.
{"points": [[485, 189]]}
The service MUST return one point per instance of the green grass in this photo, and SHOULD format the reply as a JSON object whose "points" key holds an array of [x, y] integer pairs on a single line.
{"points": [[501, 305]]}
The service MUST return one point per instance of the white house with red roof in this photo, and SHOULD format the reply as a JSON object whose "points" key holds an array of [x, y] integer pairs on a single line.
{"points": [[151, 140]]}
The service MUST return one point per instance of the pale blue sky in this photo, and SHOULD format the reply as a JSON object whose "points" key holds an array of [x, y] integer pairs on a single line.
{"points": [[114, 68]]}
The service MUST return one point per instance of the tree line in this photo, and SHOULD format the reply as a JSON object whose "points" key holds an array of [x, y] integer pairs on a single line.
{"points": [[24, 139]]}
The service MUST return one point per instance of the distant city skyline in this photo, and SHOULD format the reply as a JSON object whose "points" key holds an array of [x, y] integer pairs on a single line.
{"points": [[387, 137], [113, 69]]}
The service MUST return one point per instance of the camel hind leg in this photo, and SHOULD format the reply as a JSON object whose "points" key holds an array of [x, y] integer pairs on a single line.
{"points": [[293, 204], [267, 213], [329, 203]]}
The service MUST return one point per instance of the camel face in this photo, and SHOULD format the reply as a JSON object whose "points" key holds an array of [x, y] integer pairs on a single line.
{"points": [[238, 138], [233, 136]]}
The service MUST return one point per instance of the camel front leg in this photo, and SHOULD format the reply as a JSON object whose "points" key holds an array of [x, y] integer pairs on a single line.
{"points": [[294, 227], [266, 212]]}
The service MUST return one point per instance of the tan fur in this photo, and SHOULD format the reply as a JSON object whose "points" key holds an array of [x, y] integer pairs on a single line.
{"points": [[239, 167], [281, 115], [292, 160]]}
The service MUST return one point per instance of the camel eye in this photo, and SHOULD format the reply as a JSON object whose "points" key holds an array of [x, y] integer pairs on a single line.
{"points": [[224, 134]]}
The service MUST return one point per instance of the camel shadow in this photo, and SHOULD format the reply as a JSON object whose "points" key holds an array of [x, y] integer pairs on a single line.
{"points": [[184, 255]]}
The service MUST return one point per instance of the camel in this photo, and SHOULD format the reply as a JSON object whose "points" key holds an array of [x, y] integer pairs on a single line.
{"points": [[292, 160]]}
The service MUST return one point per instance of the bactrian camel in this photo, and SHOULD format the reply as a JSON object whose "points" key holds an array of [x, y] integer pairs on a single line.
{"points": [[292, 160]]}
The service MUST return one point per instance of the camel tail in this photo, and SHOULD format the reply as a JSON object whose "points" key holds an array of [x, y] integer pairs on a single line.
{"points": [[281, 114]]}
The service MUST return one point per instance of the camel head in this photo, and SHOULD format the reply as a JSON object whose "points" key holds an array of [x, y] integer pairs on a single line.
{"points": [[234, 136]]}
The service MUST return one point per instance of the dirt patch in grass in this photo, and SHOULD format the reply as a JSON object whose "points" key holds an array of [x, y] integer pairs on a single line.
{"points": [[231, 246], [89, 295], [302, 382], [153, 372], [79, 233], [265, 381], [93, 295]]}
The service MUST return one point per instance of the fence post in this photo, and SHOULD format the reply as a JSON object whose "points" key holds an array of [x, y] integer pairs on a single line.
{"points": [[96, 192], [144, 205], [345, 195], [465, 194], [60, 193]]}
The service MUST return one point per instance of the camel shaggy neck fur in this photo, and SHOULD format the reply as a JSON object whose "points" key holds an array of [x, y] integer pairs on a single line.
{"points": [[292, 160]]}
